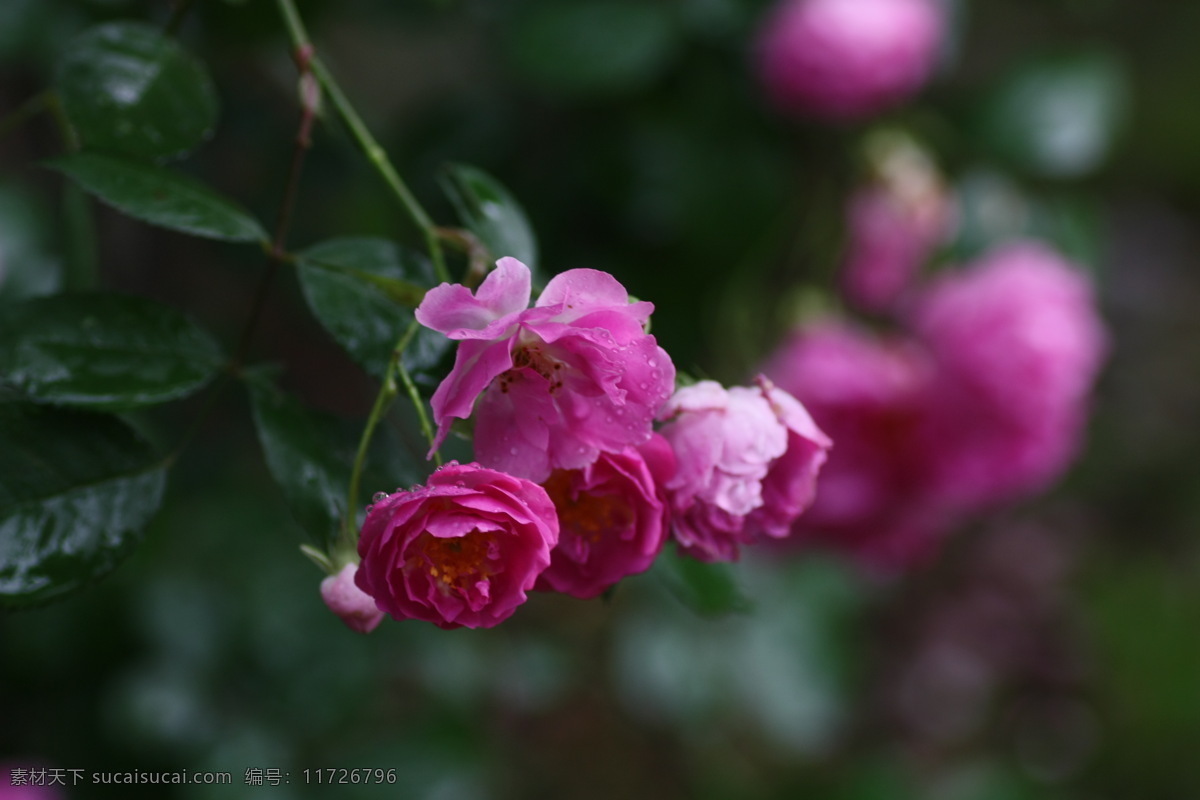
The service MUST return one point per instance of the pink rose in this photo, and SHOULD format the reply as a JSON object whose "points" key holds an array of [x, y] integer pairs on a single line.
{"points": [[747, 465], [355, 607], [843, 59], [460, 551], [870, 396], [612, 519], [1018, 343], [552, 386], [890, 236]]}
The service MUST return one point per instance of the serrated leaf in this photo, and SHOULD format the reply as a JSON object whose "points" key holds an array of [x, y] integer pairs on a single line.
{"points": [[161, 197], [127, 88], [311, 456], [103, 350], [590, 47], [76, 489], [363, 290], [1057, 115], [489, 211]]}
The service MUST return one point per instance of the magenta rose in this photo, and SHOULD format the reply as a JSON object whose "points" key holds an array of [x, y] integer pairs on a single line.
{"points": [[1018, 343], [842, 59], [353, 606], [747, 462], [878, 501], [553, 386], [890, 235], [612, 518], [461, 551]]}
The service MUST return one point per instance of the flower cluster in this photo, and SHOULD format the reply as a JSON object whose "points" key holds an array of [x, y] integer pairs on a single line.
{"points": [[979, 398], [572, 489]]}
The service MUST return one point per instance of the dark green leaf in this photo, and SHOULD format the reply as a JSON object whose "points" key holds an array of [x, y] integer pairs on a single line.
{"points": [[103, 350], [708, 589], [76, 488], [1057, 115], [161, 197], [594, 46], [311, 457], [362, 291], [128, 88], [490, 212]]}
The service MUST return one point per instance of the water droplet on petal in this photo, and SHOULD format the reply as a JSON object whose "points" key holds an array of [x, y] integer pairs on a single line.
{"points": [[379, 497], [651, 363], [513, 451]]}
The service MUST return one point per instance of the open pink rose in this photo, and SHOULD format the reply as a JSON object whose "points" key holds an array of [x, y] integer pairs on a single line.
{"points": [[747, 460], [461, 551], [612, 518], [553, 386], [842, 59], [1018, 342], [355, 607]]}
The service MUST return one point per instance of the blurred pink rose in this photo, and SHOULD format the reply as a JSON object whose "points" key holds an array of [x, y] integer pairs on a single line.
{"points": [[843, 59], [1018, 342], [747, 462], [612, 519], [983, 401], [355, 607], [552, 386], [870, 395], [460, 551], [889, 238]]}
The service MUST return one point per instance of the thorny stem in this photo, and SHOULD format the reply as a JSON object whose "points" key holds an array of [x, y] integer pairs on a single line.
{"points": [[366, 142]]}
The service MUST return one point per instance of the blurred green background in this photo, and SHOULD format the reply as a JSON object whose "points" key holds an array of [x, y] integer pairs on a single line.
{"points": [[1052, 652]]}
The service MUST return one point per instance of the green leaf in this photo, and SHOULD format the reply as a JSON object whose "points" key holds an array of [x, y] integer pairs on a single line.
{"points": [[590, 47], [311, 456], [76, 489], [490, 212], [161, 197], [708, 589], [1057, 115], [362, 291], [103, 350], [128, 88]]}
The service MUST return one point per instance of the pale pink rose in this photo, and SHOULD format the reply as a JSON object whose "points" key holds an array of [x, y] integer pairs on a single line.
{"points": [[553, 386], [842, 59], [869, 395], [355, 607], [1018, 343], [735, 481], [461, 551], [889, 238], [612, 519]]}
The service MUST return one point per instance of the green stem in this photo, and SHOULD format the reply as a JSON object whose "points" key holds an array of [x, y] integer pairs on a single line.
{"points": [[366, 142], [26, 111], [419, 405], [387, 393]]}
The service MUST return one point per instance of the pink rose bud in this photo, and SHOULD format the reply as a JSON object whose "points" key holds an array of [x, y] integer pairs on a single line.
{"points": [[870, 395], [612, 519], [747, 465], [1018, 343], [355, 607], [553, 386], [461, 551], [842, 59]]}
